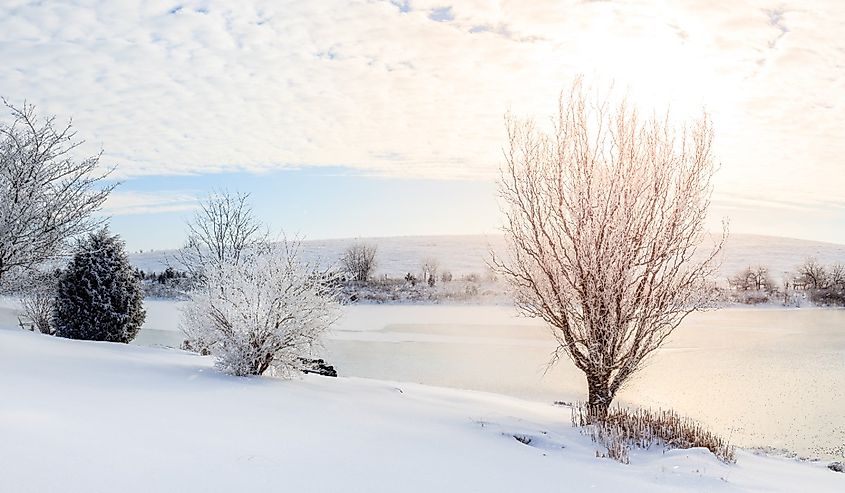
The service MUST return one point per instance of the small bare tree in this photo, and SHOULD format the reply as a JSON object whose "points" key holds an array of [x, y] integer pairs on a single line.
{"points": [[221, 233], [47, 195], [756, 279], [837, 276], [812, 275], [604, 216], [359, 261], [38, 300], [429, 267]]}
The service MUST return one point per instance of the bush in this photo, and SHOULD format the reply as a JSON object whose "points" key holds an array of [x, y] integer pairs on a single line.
{"points": [[38, 299], [621, 429], [99, 296], [828, 296], [265, 313], [471, 277], [359, 261]]}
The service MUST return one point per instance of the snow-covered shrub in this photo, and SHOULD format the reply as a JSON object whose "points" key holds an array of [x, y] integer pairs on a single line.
{"points": [[38, 300], [263, 313], [99, 295]]}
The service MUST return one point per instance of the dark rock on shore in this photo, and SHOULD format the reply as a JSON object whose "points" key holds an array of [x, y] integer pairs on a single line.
{"points": [[317, 366]]}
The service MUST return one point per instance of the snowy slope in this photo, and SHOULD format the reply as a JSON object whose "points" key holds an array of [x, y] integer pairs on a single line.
{"points": [[89, 417], [467, 254]]}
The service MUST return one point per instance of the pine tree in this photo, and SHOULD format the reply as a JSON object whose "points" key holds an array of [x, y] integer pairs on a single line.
{"points": [[99, 296]]}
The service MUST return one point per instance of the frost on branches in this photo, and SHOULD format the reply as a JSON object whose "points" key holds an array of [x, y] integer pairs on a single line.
{"points": [[47, 195], [604, 219], [260, 314]]}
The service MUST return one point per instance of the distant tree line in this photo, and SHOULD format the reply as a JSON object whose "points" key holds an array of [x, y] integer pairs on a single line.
{"points": [[824, 285]]}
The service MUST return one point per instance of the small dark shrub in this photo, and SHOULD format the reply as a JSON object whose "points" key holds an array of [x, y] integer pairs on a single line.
{"points": [[411, 279], [99, 296]]}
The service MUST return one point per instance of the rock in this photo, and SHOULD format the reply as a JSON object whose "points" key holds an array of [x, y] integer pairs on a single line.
{"points": [[836, 466], [317, 366]]}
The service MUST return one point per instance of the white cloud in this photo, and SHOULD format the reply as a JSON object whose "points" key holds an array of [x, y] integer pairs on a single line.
{"points": [[123, 203], [210, 85]]}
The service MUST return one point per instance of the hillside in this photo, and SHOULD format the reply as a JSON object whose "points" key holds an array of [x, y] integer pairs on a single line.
{"points": [[468, 254]]}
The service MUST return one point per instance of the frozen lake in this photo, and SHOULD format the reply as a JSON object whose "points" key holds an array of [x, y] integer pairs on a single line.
{"points": [[773, 377], [761, 376]]}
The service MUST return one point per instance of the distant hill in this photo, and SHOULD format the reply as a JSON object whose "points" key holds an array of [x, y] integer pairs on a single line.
{"points": [[467, 254]]}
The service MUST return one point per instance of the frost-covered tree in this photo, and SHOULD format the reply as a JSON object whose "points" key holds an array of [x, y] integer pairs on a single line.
{"points": [[263, 313], [47, 195], [604, 216], [359, 261], [222, 232], [756, 279], [837, 276], [813, 275], [99, 295]]}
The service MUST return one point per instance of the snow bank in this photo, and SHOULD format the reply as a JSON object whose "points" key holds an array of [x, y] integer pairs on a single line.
{"points": [[85, 417]]}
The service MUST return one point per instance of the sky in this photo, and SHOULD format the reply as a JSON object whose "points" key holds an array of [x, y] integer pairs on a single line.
{"points": [[381, 118]]}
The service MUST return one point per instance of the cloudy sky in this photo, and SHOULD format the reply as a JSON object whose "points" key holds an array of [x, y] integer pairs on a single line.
{"points": [[374, 118]]}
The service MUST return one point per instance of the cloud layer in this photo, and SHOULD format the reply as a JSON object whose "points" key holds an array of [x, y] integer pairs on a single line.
{"points": [[418, 88], [123, 203]]}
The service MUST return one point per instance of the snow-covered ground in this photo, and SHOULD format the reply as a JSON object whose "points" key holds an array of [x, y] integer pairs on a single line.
{"points": [[462, 255], [762, 377], [88, 417]]}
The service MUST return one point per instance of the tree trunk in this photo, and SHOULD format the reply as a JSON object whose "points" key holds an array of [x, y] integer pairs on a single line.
{"points": [[600, 396]]}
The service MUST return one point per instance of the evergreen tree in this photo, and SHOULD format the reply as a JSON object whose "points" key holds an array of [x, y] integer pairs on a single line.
{"points": [[99, 296]]}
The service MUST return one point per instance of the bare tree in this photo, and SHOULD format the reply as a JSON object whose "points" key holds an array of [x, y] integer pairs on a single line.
{"points": [[604, 218], [756, 279], [429, 268], [359, 261], [221, 233], [38, 300], [47, 195], [812, 275], [837, 276]]}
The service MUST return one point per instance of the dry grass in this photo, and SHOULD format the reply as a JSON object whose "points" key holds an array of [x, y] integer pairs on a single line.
{"points": [[623, 429]]}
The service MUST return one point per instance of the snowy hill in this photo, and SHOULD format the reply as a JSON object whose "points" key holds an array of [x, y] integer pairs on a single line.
{"points": [[468, 254], [94, 417]]}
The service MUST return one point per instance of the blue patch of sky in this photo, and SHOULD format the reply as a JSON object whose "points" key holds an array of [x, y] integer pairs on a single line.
{"points": [[442, 14], [320, 203], [404, 5]]}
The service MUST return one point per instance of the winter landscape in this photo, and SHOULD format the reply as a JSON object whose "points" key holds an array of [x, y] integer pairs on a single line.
{"points": [[412, 246]]}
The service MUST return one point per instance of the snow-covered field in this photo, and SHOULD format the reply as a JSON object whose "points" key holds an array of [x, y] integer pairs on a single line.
{"points": [[468, 254], [88, 417]]}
